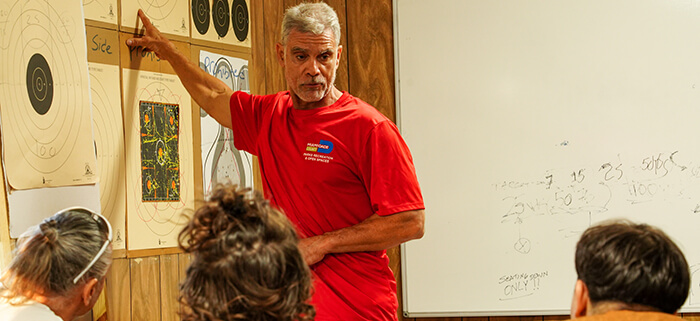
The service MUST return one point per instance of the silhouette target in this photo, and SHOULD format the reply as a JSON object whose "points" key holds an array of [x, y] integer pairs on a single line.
{"points": [[221, 17], [239, 17], [200, 15], [242, 79], [227, 163], [39, 84]]}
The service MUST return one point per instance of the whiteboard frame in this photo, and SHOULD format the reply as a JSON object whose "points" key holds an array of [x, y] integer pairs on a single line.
{"points": [[404, 282]]}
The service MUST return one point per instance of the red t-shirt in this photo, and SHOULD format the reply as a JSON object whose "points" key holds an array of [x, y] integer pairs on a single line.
{"points": [[329, 168]]}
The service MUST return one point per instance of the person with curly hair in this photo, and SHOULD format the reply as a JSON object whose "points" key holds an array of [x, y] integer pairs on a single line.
{"points": [[59, 267], [246, 264]]}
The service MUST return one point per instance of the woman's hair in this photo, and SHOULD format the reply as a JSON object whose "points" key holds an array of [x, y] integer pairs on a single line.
{"points": [[310, 18], [50, 255], [246, 264]]}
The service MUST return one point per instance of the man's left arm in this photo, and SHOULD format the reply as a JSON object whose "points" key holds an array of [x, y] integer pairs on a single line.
{"points": [[376, 233]]}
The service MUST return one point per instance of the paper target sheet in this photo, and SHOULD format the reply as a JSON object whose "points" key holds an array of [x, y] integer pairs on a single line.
{"points": [[169, 16], [221, 21], [109, 143], [101, 10], [44, 94], [159, 166], [222, 163]]}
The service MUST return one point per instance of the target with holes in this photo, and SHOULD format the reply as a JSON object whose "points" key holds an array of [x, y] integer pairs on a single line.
{"points": [[154, 215], [44, 94], [101, 10], [160, 159], [109, 145], [221, 21], [169, 16]]}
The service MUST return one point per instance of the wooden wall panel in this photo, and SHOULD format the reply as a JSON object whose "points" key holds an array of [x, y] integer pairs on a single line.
{"points": [[145, 288], [257, 67], [342, 78], [169, 287], [118, 292], [371, 53], [274, 77], [184, 260]]}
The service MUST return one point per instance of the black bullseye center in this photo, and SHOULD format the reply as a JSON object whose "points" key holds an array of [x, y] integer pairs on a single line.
{"points": [[39, 84]]}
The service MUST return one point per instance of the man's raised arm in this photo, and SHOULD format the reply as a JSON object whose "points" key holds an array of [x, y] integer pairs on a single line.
{"points": [[208, 91]]}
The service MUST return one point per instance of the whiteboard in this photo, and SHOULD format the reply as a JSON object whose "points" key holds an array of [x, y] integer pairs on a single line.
{"points": [[528, 122]]}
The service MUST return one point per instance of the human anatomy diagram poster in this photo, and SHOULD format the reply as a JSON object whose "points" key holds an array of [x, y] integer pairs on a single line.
{"points": [[101, 10], [221, 21], [169, 16], [222, 163], [159, 166], [109, 145], [44, 93]]}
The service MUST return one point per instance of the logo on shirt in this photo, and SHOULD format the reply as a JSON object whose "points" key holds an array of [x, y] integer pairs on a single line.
{"points": [[318, 152], [323, 147]]}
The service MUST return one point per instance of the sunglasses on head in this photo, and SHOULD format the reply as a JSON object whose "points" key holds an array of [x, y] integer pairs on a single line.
{"points": [[104, 226]]}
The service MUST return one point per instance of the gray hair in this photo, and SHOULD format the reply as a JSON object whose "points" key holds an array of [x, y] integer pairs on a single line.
{"points": [[310, 18], [49, 255]]}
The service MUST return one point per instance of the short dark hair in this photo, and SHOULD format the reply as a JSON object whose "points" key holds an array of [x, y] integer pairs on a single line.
{"points": [[246, 264], [633, 264]]}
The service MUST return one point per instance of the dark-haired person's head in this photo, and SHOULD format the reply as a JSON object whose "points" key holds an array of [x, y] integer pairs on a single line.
{"points": [[246, 264], [626, 266], [59, 267]]}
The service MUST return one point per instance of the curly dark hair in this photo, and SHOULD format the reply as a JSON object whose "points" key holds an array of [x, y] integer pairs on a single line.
{"points": [[246, 264], [634, 264]]}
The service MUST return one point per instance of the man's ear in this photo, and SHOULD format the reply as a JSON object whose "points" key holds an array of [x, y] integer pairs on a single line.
{"points": [[89, 289], [337, 60], [580, 304], [280, 54]]}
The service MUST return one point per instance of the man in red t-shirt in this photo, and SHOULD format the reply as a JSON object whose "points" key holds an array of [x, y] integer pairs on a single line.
{"points": [[337, 167]]}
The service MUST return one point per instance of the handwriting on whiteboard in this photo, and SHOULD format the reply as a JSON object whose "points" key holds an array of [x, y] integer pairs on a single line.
{"points": [[590, 190], [520, 285]]}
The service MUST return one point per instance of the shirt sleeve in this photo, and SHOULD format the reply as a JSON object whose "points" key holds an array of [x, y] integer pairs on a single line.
{"points": [[245, 116], [387, 169]]}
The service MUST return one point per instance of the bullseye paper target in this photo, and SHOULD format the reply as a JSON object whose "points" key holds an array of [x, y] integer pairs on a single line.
{"points": [[221, 21], [169, 16], [239, 16], [201, 15], [109, 145], [101, 10], [46, 113], [154, 222], [222, 163]]}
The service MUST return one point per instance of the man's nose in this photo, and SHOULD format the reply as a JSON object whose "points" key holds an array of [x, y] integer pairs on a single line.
{"points": [[312, 69]]}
